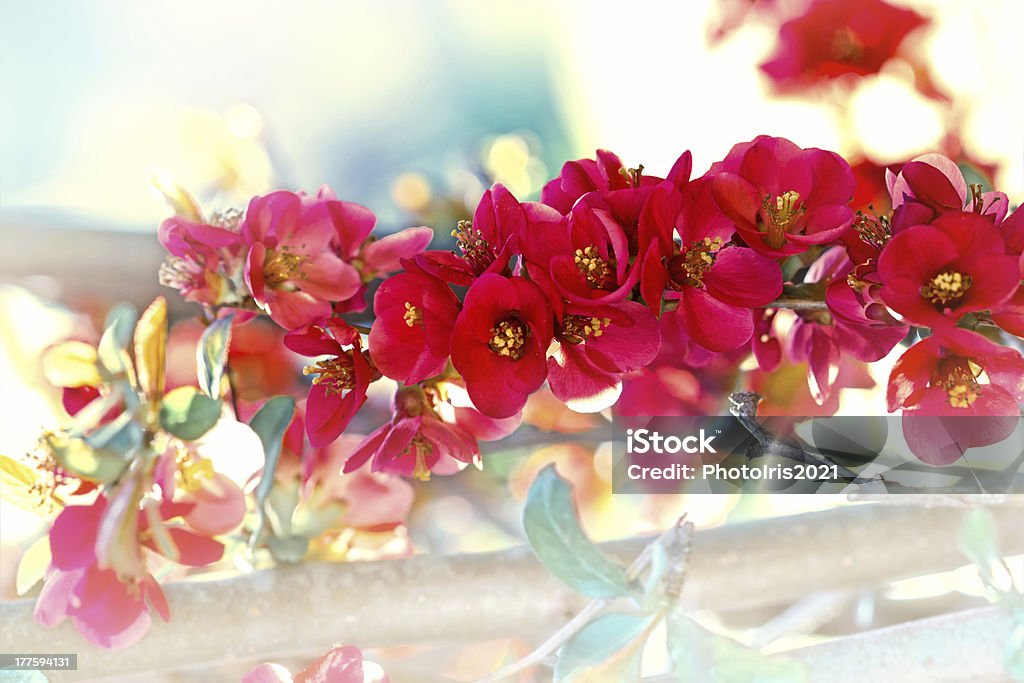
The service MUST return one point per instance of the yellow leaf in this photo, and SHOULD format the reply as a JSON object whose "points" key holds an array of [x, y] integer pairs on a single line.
{"points": [[151, 349], [181, 201], [16, 485], [72, 364], [33, 565]]}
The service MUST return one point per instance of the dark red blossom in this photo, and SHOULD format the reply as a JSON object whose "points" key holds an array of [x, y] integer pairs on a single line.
{"points": [[411, 335], [835, 38], [784, 199], [500, 342], [596, 346], [933, 274], [931, 185], [340, 377]]}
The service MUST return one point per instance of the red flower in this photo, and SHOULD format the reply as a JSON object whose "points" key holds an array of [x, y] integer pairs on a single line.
{"points": [[292, 270], [1010, 316], [596, 346], [340, 382], [954, 375], [782, 198], [411, 335], [500, 342], [715, 282], [838, 37], [485, 245], [934, 274]]}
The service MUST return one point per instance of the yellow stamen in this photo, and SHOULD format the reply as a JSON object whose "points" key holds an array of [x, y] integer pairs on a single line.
{"points": [[508, 338], [281, 266], [947, 287], [576, 328], [597, 271], [412, 315], [334, 374], [782, 214]]}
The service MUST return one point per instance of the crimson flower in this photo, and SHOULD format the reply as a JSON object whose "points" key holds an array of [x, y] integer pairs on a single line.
{"points": [[595, 347], [934, 274], [486, 244], [783, 199], [292, 269], [500, 341], [1010, 316], [340, 380], [971, 385], [714, 281], [931, 185], [833, 38], [411, 335]]}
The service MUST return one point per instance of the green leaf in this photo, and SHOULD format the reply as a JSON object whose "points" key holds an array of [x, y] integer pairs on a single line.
{"points": [[120, 436], [289, 549], [79, 458], [32, 565], [117, 336], [269, 424], [188, 414], [607, 649], [212, 354], [554, 532], [978, 539], [700, 655]]}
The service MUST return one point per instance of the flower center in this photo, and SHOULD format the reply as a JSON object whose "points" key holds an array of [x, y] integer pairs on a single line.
{"points": [[412, 316], [781, 213], [846, 46], [597, 271], [874, 230], [474, 247], [508, 338], [947, 287], [335, 375], [576, 328], [961, 387], [420, 448], [688, 268], [281, 266]]}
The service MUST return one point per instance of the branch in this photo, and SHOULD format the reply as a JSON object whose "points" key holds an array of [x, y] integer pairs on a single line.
{"points": [[468, 598]]}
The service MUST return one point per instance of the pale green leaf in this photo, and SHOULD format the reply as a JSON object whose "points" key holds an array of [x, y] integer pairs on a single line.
{"points": [[609, 648], [212, 354], [33, 565], [188, 414], [700, 655], [554, 532], [117, 336], [269, 424], [82, 460]]}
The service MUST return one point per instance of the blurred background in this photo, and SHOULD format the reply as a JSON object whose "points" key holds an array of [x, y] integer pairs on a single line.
{"points": [[412, 109]]}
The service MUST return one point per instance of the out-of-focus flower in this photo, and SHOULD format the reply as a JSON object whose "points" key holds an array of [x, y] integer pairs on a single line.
{"points": [[958, 390], [342, 664], [411, 335], [292, 271], [934, 274], [500, 341], [834, 38], [821, 339], [784, 199], [340, 380]]}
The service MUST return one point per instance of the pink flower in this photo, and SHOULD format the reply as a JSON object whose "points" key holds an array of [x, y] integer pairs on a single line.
{"points": [[595, 347], [935, 182], [110, 610], [958, 390], [834, 38], [485, 245], [206, 261], [340, 380], [500, 341], [411, 335], [342, 664], [292, 269], [784, 199], [934, 274], [821, 339]]}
